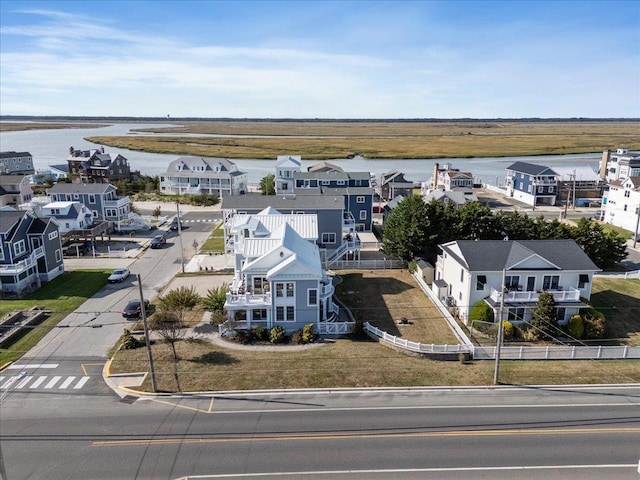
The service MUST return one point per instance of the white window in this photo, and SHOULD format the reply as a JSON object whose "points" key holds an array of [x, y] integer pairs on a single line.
{"points": [[328, 238], [259, 314], [550, 189], [363, 214], [1, 252], [92, 198], [360, 199], [19, 248], [285, 289], [285, 314], [540, 189], [312, 296], [325, 182], [340, 182], [58, 256]]}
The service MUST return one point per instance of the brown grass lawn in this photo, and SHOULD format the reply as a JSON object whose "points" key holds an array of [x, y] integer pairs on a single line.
{"points": [[619, 300], [383, 297], [361, 362], [325, 140]]}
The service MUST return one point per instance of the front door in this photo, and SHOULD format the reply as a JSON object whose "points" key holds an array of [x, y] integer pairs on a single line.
{"points": [[531, 284]]}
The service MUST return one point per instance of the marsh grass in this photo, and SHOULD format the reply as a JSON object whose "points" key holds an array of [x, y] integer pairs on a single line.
{"points": [[326, 140]]}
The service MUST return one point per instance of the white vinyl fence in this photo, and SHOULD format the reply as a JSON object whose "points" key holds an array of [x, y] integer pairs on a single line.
{"points": [[558, 353]]}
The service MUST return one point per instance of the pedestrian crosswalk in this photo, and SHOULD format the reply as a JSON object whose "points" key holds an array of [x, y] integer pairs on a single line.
{"points": [[28, 382]]}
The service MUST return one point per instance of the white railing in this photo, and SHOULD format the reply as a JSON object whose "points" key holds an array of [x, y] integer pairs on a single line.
{"points": [[22, 265], [335, 328], [240, 300], [415, 346], [367, 264], [116, 252], [575, 352], [569, 295]]}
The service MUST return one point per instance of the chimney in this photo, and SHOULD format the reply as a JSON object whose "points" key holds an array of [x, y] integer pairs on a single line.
{"points": [[436, 167], [604, 164]]}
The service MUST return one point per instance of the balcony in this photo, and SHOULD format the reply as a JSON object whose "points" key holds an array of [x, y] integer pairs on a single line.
{"points": [[239, 300], [570, 295], [118, 203], [23, 265]]}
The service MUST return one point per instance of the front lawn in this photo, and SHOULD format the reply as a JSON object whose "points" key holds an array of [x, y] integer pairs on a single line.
{"points": [[619, 300], [215, 242], [61, 296]]}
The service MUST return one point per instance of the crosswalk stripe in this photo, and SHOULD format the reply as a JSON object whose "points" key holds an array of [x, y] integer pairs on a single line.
{"points": [[53, 381], [37, 383], [17, 366], [67, 382], [10, 382], [26, 380], [81, 383]]}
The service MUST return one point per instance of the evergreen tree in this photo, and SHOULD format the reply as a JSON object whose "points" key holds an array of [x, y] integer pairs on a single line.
{"points": [[545, 318], [268, 185], [605, 249], [405, 233]]}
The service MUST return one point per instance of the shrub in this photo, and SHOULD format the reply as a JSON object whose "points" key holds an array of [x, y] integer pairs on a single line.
{"points": [[528, 334], [575, 327], [277, 335], [413, 266], [594, 323], [508, 330], [243, 336], [129, 342], [358, 327], [296, 337], [215, 298], [261, 334], [308, 334], [481, 311], [218, 318]]}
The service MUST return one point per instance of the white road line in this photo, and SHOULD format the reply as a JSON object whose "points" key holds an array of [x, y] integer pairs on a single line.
{"points": [[25, 381], [11, 381], [53, 381], [37, 383], [81, 383], [67, 382], [35, 365]]}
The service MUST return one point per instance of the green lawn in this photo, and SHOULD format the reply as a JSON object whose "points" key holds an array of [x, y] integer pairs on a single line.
{"points": [[215, 243], [61, 296]]}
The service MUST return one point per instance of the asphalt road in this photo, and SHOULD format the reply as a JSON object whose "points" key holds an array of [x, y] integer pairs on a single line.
{"points": [[441, 433]]}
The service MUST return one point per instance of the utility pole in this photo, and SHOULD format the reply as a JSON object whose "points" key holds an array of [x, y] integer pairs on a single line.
{"points": [[496, 371], [573, 198], [180, 235], [635, 233], [143, 310]]}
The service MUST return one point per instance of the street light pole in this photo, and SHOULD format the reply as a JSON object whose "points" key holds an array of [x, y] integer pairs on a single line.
{"points": [[635, 234]]}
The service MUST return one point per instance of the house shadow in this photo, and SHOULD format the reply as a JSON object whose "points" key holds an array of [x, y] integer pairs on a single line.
{"points": [[364, 297], [621, 313]]}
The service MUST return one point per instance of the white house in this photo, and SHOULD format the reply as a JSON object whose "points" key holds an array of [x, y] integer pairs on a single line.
{"points": [[470, 271], [278, 275], [286, 166], [69, 215], [196, 175], [15, 190], [619, 165], [622, 205]]}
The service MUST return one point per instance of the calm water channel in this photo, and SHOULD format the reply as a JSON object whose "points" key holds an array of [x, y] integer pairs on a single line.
{"points": [[50, 147]]}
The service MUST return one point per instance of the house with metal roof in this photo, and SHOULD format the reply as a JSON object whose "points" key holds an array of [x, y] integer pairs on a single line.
{"points": [[336, 234], [471, 271], [278, 275], [30, 252], [69, 215], [196, 175], [532, 184]]}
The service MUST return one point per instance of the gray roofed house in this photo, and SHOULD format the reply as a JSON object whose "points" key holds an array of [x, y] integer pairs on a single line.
{"points": [[30, 252], [458, 197], [16, 163], [96, 166], [470, 271], [196, 175], [99, 198], [15, 190], [532, 184], [393, 184]]}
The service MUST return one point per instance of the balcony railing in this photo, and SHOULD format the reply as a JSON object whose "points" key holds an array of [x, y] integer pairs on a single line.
{"points": [[239, 300], [120, 202], [570, 295], [25, 264]]}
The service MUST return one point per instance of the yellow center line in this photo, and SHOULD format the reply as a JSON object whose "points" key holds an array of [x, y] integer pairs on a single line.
{"points": [[344, 436]]}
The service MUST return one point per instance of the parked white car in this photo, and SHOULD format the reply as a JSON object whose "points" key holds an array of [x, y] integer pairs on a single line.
{"points": [[119, 275]]}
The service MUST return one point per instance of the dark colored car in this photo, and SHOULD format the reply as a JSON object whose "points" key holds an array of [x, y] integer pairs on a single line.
{"points": [[174, 224], [133, 310], [158, 241]]}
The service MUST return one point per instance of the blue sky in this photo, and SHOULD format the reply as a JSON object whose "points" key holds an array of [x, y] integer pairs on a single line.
{"points": [[324, 59]]}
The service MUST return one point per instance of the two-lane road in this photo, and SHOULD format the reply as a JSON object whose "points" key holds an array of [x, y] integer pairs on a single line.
{"points": [[440, 433]]}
